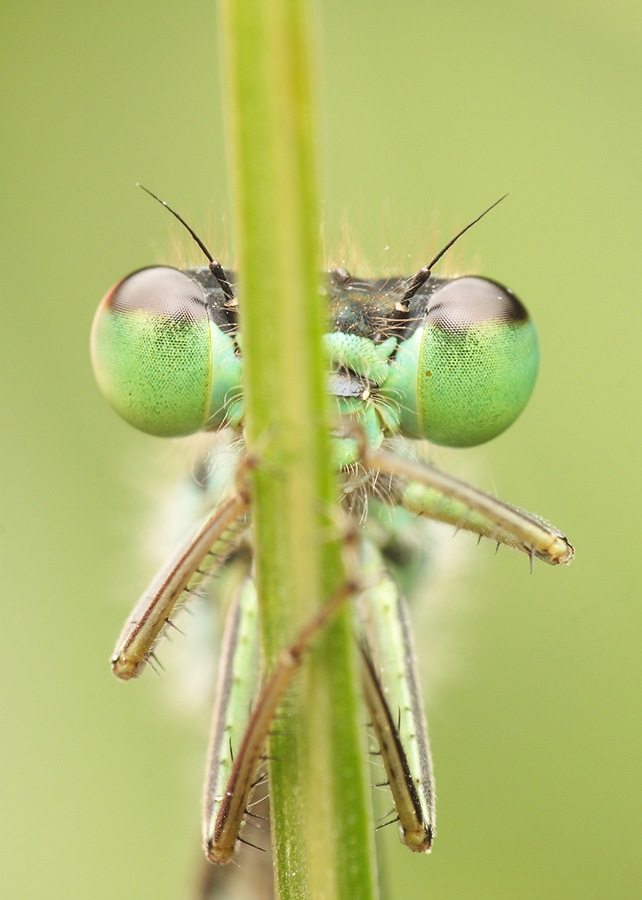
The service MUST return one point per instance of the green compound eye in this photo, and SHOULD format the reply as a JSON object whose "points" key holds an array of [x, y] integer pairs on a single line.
{"points": [[469, 369], [159, 356]]}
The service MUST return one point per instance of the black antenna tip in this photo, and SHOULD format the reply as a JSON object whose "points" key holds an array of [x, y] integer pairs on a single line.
{"points": [[424, 273], [215, 267]]}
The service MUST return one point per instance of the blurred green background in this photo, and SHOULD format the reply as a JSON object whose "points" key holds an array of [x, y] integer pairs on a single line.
{"points": [[427, 108]]}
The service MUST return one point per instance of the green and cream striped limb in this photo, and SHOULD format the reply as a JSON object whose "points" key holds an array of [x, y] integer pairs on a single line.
{"points": [[393, 698], [243, 715], [197, 559], [427, 491]]}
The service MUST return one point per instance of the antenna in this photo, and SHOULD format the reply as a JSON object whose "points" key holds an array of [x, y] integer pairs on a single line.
{"points": [[423, 274], [215, 267]]}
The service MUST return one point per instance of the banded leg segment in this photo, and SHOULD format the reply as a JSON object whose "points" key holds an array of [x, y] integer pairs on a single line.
{"points": [[236, 693], [436, 494], [232, 769], [393, 697], [198, 557]]}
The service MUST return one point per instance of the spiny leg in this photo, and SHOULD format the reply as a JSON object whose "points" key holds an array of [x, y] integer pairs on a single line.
{"points": [[197, 558], [422, 489], [232, 769], [393, 697], [236, 692]]}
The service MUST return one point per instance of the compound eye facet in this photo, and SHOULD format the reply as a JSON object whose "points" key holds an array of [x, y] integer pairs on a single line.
{"points": [[151, 351], [477, 364]]}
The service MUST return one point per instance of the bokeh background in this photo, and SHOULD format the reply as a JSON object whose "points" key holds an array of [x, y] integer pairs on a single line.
{"points": [[427, 109]]}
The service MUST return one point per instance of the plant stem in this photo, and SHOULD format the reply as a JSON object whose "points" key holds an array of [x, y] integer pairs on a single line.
{"points": [[321, 820]]}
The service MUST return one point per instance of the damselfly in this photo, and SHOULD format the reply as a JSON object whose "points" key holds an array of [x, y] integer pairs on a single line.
{"points": [[449, 360]]}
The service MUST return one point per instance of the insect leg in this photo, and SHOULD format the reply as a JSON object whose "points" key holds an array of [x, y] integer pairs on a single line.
{"points": [[393, 697], [236, 693], [232, 768], [423, 489], [207, 546]]}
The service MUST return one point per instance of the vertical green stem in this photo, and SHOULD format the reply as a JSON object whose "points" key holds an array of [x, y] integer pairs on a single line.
{"points": [[321, 820]]}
